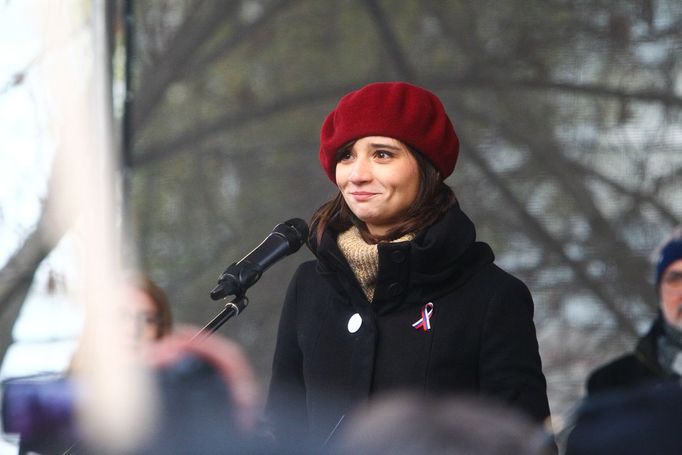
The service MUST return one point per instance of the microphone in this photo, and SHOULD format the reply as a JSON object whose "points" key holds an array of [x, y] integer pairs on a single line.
{"points": [[286, 238]]}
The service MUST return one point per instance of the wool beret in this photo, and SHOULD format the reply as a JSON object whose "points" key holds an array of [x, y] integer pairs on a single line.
{"points": [[398, 110]]}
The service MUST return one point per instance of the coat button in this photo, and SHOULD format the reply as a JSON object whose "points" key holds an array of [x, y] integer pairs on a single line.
{"points": [[394, 289], [354, 323], [398, 256]]}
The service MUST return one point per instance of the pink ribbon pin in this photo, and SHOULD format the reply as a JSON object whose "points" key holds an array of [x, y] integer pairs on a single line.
{"points": [[424, 322]]}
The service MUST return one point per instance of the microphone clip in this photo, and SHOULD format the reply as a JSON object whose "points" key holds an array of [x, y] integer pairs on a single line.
{"points": [[236, 279]]}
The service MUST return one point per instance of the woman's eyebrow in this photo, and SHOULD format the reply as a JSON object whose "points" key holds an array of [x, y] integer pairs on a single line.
{"points": [[385, 146]]}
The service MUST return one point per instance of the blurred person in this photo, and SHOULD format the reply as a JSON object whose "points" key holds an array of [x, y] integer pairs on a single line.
{"points": [[657, 357], [209, 399], [409, 424], [145, 309], [401, 295], [228, 359], [639, 420], [146, 318], [205, 402], [208, 395]]}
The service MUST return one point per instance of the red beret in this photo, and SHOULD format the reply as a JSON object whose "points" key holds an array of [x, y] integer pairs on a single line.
{"points": [[398, 110]]}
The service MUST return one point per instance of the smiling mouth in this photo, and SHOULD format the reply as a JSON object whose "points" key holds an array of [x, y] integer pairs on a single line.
{"points": [[362, 196]]}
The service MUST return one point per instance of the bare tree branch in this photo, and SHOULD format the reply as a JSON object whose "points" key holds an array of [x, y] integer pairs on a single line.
{"points": [[19, 77], [240, 32], [537, 231], [199, 25], [637, 197], [608, 237], [592, 90], [388, 37], [16, 275], [223, 123], [184, 56]]}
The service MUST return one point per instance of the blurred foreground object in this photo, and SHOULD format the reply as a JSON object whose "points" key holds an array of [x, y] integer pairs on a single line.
{"points": [[408, 424], [120, 398]]}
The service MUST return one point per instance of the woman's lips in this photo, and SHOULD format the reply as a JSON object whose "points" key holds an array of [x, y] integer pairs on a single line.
{"points": [[362, 195]]}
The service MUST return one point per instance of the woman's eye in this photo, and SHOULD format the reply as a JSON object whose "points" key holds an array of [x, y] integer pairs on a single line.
{"points": [[383, 154], [345, 156]]}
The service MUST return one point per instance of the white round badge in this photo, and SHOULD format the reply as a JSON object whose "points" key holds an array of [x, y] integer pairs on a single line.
{"points": [[354, 323]]}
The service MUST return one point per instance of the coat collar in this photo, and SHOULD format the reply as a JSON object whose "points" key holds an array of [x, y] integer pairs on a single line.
{"points": [[447, 251], [441, 257], [646, 349]]}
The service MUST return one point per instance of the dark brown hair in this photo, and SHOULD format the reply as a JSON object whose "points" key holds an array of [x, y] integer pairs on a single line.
{"points": [[145, 284], [433, 199]]}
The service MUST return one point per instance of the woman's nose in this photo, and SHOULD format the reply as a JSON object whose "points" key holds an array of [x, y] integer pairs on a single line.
{"points": [[360, 172]]}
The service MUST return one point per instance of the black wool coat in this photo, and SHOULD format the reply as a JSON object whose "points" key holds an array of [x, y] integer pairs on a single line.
{"points": [[482, 338], [637, 368]]}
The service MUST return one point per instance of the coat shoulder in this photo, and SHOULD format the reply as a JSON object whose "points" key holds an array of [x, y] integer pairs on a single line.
{"points": [[307, 268], [505, 285], [506, 279], [306, 274], [621, 372]]}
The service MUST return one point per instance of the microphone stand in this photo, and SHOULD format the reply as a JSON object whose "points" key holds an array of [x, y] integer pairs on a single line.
{"points": [[231, 309], [230, 282]]}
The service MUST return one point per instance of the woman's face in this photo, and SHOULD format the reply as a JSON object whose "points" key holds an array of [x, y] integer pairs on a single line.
{"points": [[379, 180], [142, 319]]}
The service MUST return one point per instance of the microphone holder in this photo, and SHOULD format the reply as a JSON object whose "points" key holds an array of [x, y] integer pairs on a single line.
{"points": [[231, 309]]}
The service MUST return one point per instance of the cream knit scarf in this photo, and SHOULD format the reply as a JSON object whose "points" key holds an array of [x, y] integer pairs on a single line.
{"points": [[363, 258]]}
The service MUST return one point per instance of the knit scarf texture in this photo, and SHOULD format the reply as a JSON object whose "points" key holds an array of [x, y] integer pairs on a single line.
{"points": [[363, 258]]}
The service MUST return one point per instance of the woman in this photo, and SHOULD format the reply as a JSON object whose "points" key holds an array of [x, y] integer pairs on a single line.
{"points": [[145, 314], [401, 296], [145, 309]]}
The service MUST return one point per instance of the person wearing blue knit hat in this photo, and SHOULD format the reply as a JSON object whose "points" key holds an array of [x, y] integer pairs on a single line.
{"points": [[658, 354]]}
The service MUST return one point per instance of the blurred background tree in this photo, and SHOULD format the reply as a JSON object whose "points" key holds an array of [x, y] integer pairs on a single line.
{"points": [[568, 113]]}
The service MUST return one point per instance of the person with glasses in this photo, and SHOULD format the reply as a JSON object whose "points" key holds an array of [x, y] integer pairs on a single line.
{"points": [[657, 356], [146, 311]]}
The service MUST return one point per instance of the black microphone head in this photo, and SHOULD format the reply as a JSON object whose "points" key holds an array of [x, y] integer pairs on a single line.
{"points": [[301, 228], [286, 238], [295, 231]]}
